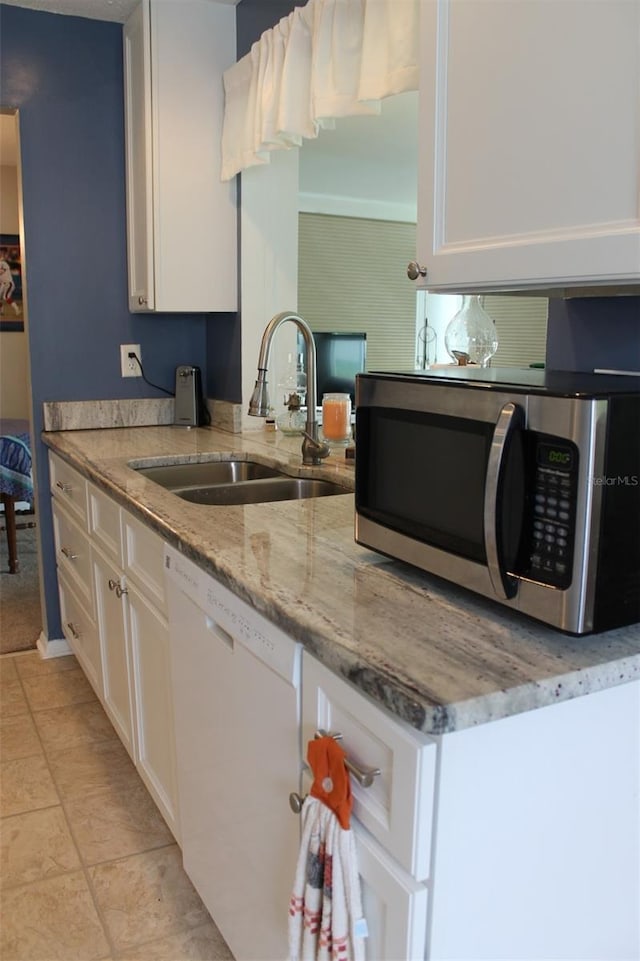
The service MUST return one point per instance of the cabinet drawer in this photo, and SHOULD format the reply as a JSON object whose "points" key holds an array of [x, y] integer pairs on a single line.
{"points": [[143, 559], [80, 630], [73, 553], [398, 807], [69, 488]]}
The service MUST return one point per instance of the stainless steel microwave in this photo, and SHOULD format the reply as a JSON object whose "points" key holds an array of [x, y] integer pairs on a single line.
{"points": [[521, 485]]}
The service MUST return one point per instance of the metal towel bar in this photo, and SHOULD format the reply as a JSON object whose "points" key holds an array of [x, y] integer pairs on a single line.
{"points": [[363, 775]]}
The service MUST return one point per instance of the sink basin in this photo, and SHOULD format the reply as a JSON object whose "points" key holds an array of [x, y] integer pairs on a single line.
{"points": [[177, 477], [229, 482], [261, 491]]}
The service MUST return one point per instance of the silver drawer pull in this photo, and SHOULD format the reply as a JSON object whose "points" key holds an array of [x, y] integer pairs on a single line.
{"points": [[65, 488], [117, 587], [112, 584], [74, 632], [363, 775], [68, 553], [295, 802]]}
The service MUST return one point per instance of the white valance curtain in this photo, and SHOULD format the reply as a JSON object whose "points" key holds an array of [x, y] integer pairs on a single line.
{"points": [[328, 59]]}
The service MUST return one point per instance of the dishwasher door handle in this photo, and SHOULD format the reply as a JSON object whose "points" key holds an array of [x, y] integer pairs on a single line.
{"points": [[216, 629]]}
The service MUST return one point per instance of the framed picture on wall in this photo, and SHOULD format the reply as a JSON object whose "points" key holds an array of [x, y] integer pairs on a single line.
{"points": [[11, 308]]}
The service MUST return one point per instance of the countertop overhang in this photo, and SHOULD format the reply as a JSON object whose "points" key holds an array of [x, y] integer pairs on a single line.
{"points": [[438, 657]]}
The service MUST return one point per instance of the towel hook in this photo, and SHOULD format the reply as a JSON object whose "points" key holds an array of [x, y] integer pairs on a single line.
{"points": [[363, 775]]}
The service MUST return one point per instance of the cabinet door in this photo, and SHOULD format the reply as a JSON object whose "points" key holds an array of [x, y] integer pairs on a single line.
{"points": [[181, 218], [114, 645], [529, 144], [137, 112], [394, 904], [150, 659]]}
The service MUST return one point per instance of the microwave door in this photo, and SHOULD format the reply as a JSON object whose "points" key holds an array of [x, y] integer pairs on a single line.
{"points": [[504, 500]]}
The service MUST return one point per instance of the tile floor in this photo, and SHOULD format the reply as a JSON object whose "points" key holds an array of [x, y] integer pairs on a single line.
{"points": [[88, 869]]}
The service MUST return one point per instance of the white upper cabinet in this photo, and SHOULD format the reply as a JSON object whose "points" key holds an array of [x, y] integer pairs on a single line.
{"points": [[529, 146], [181, 219]]}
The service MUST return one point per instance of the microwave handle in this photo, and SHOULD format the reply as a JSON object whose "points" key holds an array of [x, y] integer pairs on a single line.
{"points": [[511, 417]]}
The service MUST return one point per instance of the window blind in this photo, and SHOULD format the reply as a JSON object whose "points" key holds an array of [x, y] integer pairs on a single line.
{"points": [[352, 276], [521, 323]]}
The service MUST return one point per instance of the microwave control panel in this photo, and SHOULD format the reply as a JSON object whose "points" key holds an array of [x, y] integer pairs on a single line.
{"points": [[553, 513]]}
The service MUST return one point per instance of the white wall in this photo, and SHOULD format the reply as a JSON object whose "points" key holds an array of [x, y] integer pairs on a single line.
{"points": [[14, 380]]}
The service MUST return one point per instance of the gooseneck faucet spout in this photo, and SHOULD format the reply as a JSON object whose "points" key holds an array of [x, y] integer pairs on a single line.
{"points": [[313, 450]]}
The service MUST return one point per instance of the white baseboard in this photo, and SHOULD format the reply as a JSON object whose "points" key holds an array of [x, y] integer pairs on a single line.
{"points": [[57, 647]]}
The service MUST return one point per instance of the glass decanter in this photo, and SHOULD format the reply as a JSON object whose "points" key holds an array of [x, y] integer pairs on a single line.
{"points": [[471, 336]]}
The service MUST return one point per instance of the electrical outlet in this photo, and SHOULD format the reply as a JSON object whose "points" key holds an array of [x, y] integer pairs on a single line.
{"points": [[129, 366]]}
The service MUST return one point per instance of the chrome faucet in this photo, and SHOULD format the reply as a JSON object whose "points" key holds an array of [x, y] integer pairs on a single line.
{"points": [[313, 450]]}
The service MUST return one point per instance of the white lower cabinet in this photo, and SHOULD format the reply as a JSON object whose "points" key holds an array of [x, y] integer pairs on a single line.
{"points": [[134, 638], [113, 608], [392, 817]]}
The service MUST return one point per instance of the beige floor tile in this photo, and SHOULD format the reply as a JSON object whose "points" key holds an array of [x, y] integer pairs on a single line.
{"points": [[12, 699], [26, 785], [8, 667], [47, 691], [114, 823], [18, 737], [146, 896], [90, 768], [204, 943], [65, 727], [32, 664], [52, 920], [35, 846]]}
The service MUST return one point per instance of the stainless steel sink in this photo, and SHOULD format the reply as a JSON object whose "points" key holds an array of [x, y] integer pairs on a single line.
{"points": [[261, 491], [177, 477], [229, 482]]}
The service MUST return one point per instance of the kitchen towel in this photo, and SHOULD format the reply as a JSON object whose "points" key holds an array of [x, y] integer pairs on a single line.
{"points": [[325, 909], [331, 782]]}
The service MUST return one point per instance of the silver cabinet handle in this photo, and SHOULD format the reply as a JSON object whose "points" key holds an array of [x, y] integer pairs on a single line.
{"points": [[414, 270], [142, 300], [295, 802], [74, 632], [65, 488], [68, 553], [363, 775], [117, 587]]}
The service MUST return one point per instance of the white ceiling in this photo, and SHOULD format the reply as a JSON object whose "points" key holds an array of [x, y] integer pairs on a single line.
{"points": [[116, 10]]}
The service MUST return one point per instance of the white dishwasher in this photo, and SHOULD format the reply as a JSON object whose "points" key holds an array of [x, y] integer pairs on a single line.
{"points": [[236, 687]]}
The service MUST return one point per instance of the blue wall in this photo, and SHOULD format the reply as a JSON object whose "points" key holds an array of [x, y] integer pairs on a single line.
{"points": [[65, 75], [589, 332]]}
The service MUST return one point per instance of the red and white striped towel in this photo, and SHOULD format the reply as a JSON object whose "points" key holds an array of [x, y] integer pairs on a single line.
{"points": [[325, 910]]}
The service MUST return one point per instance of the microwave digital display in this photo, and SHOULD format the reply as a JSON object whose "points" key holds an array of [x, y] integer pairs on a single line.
{"points": [[558, 456]]}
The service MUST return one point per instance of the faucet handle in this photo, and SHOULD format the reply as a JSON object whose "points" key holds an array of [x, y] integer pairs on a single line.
{"points": [[313, 450]]}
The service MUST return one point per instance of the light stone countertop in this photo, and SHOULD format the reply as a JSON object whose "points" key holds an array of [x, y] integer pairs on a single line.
{"points": [[436, 656]]}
